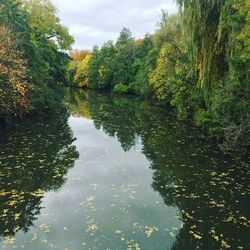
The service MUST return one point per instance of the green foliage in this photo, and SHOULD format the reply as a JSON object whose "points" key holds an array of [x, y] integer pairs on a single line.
{"points": [[102, 67], [124, 58], [127, 62], [122, 88], [228, 110], [197, 61], [171, 78], [112, 64], [143, 64], [206, 39], [41, 41], [49, 39]]}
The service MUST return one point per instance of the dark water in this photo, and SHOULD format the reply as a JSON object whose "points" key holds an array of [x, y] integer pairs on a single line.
{"points": [[118, 173]]}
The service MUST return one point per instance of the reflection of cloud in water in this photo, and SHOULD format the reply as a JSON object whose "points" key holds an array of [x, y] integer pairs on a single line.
{"points": [[142, 181], [182, 159]]}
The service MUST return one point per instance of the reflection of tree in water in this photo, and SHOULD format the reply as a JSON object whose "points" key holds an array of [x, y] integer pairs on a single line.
{"points": [[76, 100], [209, 188], [35, 157], [115, 115], [212, 204], [117, 118]]}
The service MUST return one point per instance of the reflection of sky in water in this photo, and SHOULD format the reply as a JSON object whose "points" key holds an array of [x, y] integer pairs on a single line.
{"points": [[106, 203], [107, 199]]}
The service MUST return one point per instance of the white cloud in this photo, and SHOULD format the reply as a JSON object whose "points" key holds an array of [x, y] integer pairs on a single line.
{"points": [[93, 22]]}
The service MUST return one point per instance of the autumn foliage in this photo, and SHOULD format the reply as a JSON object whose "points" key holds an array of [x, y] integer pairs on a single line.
{"points": [[78, 55], [14, 82], [33, 57]]}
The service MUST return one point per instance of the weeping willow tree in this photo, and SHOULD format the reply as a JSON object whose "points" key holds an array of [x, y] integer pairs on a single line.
{"points": [[207, 38], [219, 48]]}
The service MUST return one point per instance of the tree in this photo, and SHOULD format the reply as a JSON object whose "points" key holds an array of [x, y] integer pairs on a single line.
{"points": [[171, 78], [124, 58], [76, 57], [207, 39], [46, 25], [49, 39], [219, 49], [37, 54], [102, 66], [14, 81], [143, 64], [81, 76]]}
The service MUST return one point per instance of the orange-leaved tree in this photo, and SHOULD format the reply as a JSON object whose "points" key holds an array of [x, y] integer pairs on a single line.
{"points": [[14, 82]]}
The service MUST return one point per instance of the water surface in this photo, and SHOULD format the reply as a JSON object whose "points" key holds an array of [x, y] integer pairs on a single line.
{"points": [[115, 172]]}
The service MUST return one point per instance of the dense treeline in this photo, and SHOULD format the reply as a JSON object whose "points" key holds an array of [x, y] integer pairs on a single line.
{"points": [[197, 61], [33, 58]]}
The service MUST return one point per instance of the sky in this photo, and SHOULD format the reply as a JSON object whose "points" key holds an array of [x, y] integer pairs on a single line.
{"points": [[93, 22]]}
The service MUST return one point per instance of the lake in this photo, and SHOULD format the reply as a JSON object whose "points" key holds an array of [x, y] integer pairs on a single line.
{"points": [[115, 172]]}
